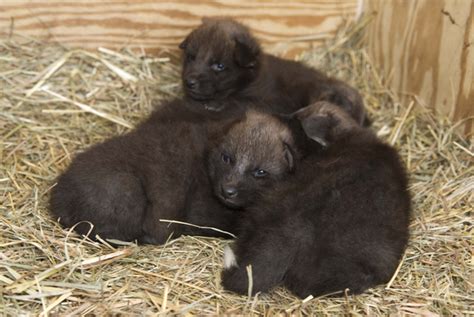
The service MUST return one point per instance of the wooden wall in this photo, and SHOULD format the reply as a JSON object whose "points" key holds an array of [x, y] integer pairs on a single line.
{"points": [[426, 48], [163, 24]]}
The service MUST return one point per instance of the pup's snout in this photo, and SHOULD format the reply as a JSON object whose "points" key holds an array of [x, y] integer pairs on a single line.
{"points": [[229, 191], [191, 83]]}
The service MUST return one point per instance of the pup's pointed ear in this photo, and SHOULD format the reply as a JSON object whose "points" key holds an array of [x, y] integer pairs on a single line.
{"points": [[289, 156], [316, 124], [324, 122], [184, 43], [247, 51], [317, 128]]}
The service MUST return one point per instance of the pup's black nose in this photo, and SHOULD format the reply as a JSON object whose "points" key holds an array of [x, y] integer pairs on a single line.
{"points": [[191, 83], [229, 192]]}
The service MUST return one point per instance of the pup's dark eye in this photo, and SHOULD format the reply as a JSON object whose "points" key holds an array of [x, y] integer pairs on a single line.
{"points": [[225, 158], [218, 67], [260, 173], [190, 57]]}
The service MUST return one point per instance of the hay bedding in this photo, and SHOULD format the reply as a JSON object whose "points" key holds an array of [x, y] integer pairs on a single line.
{"points": [[55, 102]]}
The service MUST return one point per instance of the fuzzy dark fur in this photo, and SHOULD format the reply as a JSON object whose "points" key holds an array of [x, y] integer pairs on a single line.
{"points": [[222, 61], [255, 158], [338, 220], [158, 171]]}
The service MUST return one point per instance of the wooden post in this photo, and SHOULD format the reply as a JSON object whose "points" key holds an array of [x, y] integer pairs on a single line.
{"points": [[426, 48]]}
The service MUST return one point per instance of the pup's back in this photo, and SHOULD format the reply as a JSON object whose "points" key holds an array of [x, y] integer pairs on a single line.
{"points": [[353, 192], [302, 85]]}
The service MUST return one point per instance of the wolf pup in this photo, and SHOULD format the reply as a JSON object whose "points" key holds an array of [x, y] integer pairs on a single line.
{"points": [[222, 61], [326, 206], [125, 185]]}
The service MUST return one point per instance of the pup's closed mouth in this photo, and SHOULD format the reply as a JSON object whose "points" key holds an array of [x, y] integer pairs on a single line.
{"points": [[208, 103], [230, 202], [198, 96]]}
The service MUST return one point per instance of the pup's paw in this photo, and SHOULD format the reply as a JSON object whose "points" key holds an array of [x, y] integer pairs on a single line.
{"points": [[229, 258]]}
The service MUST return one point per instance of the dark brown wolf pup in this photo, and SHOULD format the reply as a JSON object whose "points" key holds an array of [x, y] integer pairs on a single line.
{"points": [[125, 185], [327, 206], [223, 61]]}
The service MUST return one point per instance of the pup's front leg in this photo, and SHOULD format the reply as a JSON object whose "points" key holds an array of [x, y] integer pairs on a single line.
{"points": [[164, 205], [268, 260], [154, 230]]}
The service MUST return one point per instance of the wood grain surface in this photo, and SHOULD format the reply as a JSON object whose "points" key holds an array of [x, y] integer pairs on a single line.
{"points": [[425, 48], [154, 24]]}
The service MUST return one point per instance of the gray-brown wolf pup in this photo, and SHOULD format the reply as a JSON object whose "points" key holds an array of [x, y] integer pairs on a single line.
{"points": [[325, 203]]}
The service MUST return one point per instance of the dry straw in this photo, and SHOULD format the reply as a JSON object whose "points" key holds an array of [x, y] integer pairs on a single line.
{"points": [[55, 102]]}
